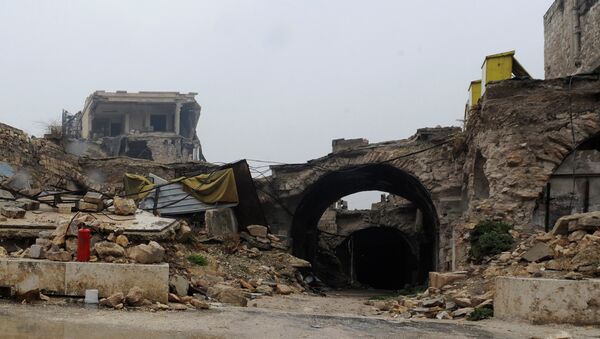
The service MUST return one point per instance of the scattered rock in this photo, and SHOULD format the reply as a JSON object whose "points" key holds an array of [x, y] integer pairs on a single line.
{"points": [[257, 231], [107, 249], [124, 206], [184, 231], [283, 289], [93, 197], [147, 254], [3, 252], [36, 252], [264, 289], [60, 255], [135, 296], [28, 204], [113, 301], [179, 284], [178, 307], [432, 302], [538, 252], [577, 235], [438, 280], [12, 212], [463, 312], [89, 207], [199, 304], [122, 240], [227, 294], [6, 195]]}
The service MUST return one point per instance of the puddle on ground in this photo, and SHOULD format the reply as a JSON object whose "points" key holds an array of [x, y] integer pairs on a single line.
{"points": [[28, 327]]}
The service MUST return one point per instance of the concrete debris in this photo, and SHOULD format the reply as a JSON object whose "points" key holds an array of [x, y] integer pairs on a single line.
{"points": [[257, 231], [12, 212], [147, 254], [538, 252], [113, 301], [124, 206], [135, 297], [179, 284], [227, 294], [109, 251]]}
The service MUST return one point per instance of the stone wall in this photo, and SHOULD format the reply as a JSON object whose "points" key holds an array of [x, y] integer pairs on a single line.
{"points": [[567, 52]]}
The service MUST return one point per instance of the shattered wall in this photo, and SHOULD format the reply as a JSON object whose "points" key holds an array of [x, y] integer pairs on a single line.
{"points": [[496, 169], [572, 37]]}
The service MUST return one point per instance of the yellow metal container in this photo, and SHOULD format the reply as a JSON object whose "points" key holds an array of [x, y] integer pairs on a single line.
{"points": [[474, 93], [501, 66]]}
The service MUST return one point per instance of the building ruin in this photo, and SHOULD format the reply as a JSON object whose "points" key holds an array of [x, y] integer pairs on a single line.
{"points": [[572, 38], [159, 126]]}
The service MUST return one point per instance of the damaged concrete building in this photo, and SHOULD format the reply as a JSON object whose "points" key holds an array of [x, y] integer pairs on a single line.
{"points": [[159, 126], [572, 38]]}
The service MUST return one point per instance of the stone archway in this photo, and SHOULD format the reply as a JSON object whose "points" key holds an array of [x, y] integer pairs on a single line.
{"points": [[381, 177]]}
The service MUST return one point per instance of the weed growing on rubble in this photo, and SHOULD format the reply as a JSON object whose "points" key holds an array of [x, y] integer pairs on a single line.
{"points": [[198, 259], [480, 314], [490, 238]]}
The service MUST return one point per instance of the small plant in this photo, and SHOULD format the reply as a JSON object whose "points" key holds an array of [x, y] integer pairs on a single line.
{"points": [[480, 314], [198, 259], [489, 238]]}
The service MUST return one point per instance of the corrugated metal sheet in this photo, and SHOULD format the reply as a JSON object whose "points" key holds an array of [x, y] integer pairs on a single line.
{"points": [[172, 199]]}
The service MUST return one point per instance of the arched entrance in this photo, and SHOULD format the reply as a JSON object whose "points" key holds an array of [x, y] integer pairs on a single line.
{"points": [[573, 187], [381, 177]]}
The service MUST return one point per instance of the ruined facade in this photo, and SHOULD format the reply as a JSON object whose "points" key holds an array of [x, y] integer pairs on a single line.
{"points": [[159, 126], [572, 38], [517, 140]]}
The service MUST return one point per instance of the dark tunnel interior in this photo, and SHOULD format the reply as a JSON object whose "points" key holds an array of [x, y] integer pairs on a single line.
{"points": [[377, 247], [379, 257]]}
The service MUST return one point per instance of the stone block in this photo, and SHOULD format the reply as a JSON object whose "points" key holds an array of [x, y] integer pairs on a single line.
{"points": [[6, 195], [548, 301], [12, 212], [29, 274], [538, 252], [258, 231], [124, 206], [29, 204], [93, 198], [220, 222], [36, 251], [439, 279], [89, 207], [109, 279]]}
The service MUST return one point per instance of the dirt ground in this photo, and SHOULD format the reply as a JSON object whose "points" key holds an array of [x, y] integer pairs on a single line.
{"points": [[340, 315]]}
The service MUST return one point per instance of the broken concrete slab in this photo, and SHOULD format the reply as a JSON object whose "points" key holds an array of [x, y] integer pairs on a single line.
{"points": [[441, 279], [220, 222], [257, 230], [29, 204], [6, 195], [538, 252], [89, 207], [12, 212], [547, 301], [73, 278], [93, 198]]}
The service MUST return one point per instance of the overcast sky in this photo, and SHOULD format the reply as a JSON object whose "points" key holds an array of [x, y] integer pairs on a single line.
{"points": [[277, 80]]}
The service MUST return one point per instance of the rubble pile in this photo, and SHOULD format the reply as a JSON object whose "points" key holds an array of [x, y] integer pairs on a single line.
{"points": [[570, 251], [233, 270]]}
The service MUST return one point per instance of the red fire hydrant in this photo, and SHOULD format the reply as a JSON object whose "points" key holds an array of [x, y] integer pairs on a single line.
{"points": [[83, 244]]}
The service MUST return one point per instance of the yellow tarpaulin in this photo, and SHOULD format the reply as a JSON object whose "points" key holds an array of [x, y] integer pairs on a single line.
{"points": [[136, 186], [218, 186]]}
